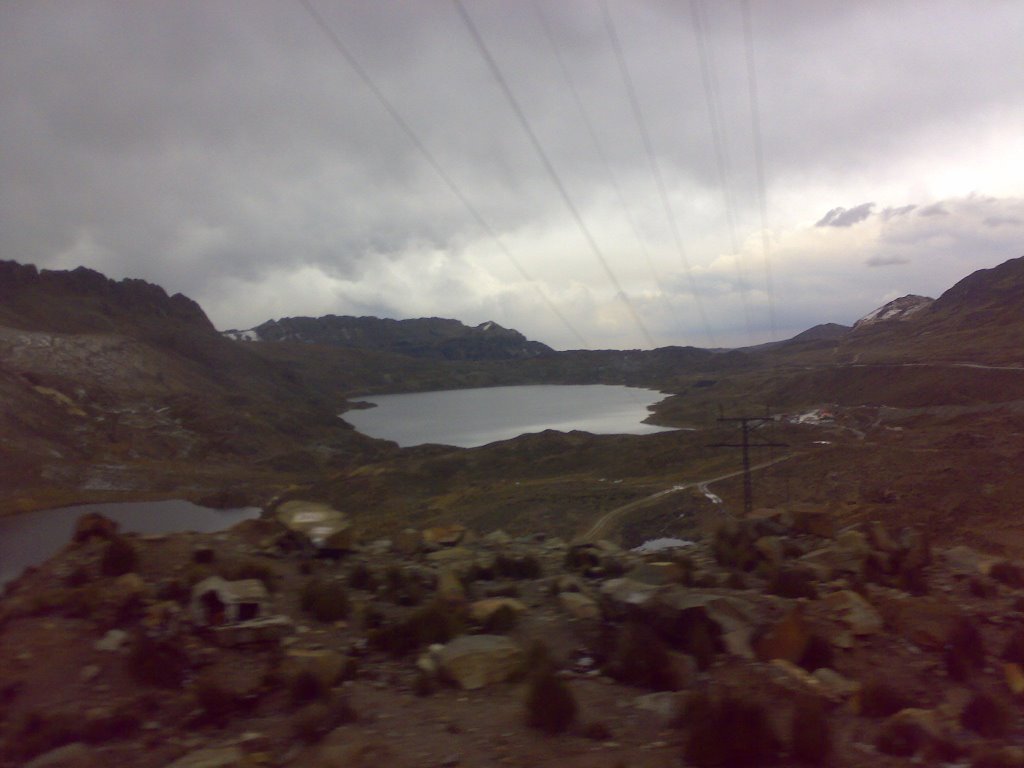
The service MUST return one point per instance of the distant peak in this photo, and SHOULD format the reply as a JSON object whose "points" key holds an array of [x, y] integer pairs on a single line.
{"points": [[902, 308]]}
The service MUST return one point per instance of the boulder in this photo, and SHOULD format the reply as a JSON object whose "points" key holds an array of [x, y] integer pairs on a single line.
{"points": [[217, 757], [444, 535], [787, 639], [856, 612], [269, 629], [449, 588], [327, 528], [813, 520], [578, 605], [475, 661], [75, 755], [407, 542], [625, 598], [482, 610]]}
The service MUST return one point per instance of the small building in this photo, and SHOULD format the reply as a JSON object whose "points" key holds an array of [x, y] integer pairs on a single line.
{"points": [[216, 601]]}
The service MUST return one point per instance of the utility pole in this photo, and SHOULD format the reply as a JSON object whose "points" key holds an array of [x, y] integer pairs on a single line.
{"points": [[747, 425]]}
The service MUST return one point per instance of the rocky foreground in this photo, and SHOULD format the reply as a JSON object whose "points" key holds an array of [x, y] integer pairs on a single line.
{"points": [[771, 640]]}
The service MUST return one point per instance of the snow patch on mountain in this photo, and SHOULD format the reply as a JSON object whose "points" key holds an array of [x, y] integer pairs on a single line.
{"points": [[902, 308]]}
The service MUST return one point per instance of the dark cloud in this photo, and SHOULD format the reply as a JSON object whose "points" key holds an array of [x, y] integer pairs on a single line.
{"points": [[845, 217], [886, 261], [933, 210], [227, 151]]}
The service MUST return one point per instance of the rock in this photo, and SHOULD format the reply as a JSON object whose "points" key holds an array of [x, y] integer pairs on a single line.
{"points": [[89, 673], [910, 731], [444, 535], [449, 588], [916, 549], [879, 537], [407, 542], [474, 661], [578, 605], [269, 629], [497, 539], [342, 748], [125, 590], [216, 601], [113, 641], [787, 639], [855, 612], [459, 558], [482, 610], [218, 757], [658, 574], [94, 525], [666, 704], [968, 562], [327, 528], [924, 621], [75, 755], [624, 598], [834, 684], [1014, 676], [853, 542], [771, 548]]}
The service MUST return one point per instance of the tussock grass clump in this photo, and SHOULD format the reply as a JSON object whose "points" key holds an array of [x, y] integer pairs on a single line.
{"points": [[362, 578], [517, 567], [793, 582], [158, 663], [985, 716], [965, 649], [437, 622], [325, 601], [1010, 574], [810, 733], [119, 557], [733, 546], [216, 702], [314, 721], [1014, 650], [550, 705], [641, 658], [880, 699], [730, 732], [401, 588]]}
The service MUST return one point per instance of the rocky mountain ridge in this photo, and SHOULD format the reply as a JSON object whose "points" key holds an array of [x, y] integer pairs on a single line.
{"points": [[896, 310], [427, 337]]}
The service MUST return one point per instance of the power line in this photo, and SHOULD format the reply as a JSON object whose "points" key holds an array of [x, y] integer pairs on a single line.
{"points": [[552, 173], [400, 121], [655, 168], [755, 120], [606, 163], [721, 148]]}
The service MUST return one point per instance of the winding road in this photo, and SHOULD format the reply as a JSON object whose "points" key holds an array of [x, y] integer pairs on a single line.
{"points": [[603, 524]]}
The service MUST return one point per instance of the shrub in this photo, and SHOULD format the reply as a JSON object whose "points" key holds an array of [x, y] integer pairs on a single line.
{"points": [[641, 658], [810, 732], [314, 721], [156, 662], [216, 702], [119, 557], [793, 582], [550, 705], [984, 716], [518, 567], [965, 649], [1014, 650], [730, 733], [362, 578], [880, 699], [1010, 574], [817, 654], [306, 687], [437, 622], [325, 601]]}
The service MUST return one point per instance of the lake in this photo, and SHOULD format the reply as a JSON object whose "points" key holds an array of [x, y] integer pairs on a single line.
{"points": [[467, 418], [31, 538]]}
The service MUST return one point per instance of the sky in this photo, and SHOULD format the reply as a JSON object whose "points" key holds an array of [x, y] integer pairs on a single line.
{"points": [[594, 173]]}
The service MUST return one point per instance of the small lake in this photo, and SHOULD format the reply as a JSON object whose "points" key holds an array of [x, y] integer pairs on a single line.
{"points": [[31, 538], [467, 418]]}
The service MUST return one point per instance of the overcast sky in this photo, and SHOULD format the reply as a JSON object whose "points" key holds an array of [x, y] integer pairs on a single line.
{"points": [[229, 150]]}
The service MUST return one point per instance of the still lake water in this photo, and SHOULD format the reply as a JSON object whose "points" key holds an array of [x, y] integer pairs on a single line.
{"points": [[467, 418], [31, 538]]}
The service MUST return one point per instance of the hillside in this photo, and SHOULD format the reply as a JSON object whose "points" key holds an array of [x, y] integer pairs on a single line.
{"points": [[429, 337]]}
